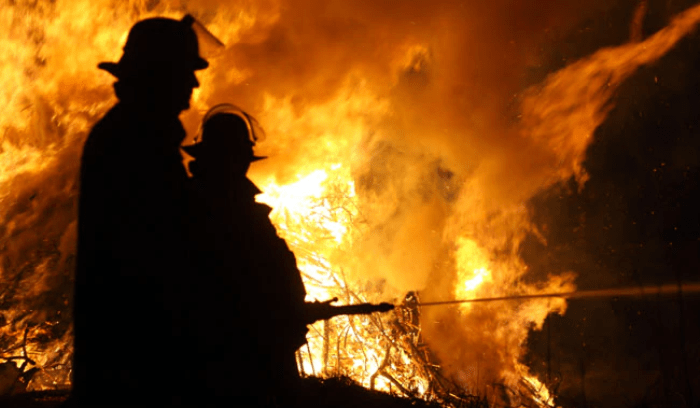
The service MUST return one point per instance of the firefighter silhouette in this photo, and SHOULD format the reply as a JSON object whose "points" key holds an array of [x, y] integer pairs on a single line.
{"points": [[251, 313], [251, 309], [129, 307]]}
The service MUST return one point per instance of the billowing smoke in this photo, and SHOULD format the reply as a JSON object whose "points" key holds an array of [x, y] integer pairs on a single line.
{"points": [[428, 94]]}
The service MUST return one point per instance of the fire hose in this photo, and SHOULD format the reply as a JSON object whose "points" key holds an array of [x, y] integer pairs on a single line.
{"points": [[323, 310]]}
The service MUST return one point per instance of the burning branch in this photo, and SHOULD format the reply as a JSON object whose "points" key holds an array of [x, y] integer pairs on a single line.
{"points": [[16, 378]]}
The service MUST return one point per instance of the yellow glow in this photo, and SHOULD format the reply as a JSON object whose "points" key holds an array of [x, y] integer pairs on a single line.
{"points": [[301, 198], [480, 275], [541, 393], [472, 269]]}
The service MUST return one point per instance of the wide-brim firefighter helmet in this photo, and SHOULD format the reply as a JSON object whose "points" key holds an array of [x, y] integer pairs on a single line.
{"points": [[158, 45], [228, 131]]}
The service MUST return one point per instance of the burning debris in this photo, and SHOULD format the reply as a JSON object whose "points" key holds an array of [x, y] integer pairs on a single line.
{"points": [[15, 378]]}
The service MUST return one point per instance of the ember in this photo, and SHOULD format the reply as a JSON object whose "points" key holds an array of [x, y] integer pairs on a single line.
{"points": [[384, 191]]}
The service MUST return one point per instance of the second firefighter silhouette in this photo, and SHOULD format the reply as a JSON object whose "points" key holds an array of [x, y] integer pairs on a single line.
{"points": [[253, 310]]}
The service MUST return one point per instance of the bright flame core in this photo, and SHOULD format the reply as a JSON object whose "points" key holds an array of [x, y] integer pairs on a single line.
{"points": [[472, 264]]}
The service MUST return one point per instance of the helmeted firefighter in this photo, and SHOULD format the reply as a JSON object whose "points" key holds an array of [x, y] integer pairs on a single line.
{"points": [[252, 315], [252, 311], [132, 253]]}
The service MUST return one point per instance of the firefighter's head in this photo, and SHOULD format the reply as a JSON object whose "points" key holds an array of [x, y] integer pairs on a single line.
{"points": [[159, 62], [225, 142]]}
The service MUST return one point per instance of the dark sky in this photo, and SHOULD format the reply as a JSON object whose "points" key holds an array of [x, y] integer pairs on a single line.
{"points": [[634, 223]]}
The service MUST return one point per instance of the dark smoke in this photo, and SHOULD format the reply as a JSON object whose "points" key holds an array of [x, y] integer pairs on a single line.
{"points": [[635, 222]]}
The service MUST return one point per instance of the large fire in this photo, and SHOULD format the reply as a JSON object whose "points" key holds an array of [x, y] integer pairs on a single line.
{"points": [[393, 172]]}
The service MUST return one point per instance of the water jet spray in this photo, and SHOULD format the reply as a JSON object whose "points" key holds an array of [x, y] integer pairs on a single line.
{"points": [[640, 291]]}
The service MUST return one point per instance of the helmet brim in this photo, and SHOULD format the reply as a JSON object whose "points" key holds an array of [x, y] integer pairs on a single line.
{"points": [[200, 151], [111, 67], [117, 70]]}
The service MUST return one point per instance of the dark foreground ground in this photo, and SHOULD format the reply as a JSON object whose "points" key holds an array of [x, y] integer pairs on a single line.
{"points": [[334, 392]]}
